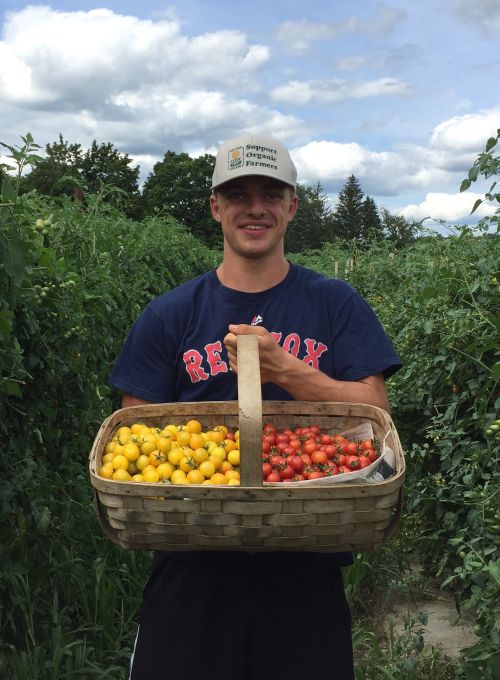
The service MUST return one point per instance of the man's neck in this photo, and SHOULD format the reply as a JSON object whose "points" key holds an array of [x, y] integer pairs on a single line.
{"points": [[252, 275]]}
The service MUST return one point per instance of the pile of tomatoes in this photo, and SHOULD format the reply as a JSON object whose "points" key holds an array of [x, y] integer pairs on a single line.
{"points": [[296, 454]]}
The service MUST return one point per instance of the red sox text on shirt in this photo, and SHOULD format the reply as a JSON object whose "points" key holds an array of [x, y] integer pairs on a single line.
{"points": [[206, 364]]}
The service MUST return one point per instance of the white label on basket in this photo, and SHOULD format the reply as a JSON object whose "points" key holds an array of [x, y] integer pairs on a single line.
{"points": [[363, 431]]}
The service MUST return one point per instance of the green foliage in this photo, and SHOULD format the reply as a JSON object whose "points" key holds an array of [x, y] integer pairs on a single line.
{"points": [[438, 300], [72, 282], [312, 226], [74, 277], [371, 224], [486, 164], [398, 230], [180, 186], [69, 171], [348, 215]]}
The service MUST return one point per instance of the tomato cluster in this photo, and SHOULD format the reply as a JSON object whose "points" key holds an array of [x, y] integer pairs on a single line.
{"points": [[295, 454]]}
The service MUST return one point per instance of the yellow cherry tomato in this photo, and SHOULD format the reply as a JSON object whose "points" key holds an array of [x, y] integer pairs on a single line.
{"points": [[199, 455], [194, 426], [195, 477], [207, 468], [142, 461], [119, 462], [234, 457], [121, 475], [156, 458], [106, 471], [179, 477], [165, 470], [151, 474], [131, 451]]}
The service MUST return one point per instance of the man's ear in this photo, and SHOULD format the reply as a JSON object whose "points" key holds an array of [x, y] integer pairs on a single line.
{"points": [[214, 207], [292, 209]]}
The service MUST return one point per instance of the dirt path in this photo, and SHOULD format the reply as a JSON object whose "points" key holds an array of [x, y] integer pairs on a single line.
{"points": [[445, 627]]}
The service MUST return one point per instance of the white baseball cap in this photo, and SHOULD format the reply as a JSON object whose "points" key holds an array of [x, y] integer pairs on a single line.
{"points": [[253, 155]]}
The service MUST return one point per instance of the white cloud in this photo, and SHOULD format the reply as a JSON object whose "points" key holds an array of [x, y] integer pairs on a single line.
{"points": [[330, 91], [485, 14], [298, 36], [443, 163], [78, 58], [466, 133], [453, 208], [331, 163]]}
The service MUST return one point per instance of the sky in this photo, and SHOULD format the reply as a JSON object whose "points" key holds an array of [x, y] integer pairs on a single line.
{"points": [[401, 94]]}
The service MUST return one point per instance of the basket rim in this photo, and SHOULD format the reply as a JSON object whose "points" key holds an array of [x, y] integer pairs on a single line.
{"points": [[269, 408]]}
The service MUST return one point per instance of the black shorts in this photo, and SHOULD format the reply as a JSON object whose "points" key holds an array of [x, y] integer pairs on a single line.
{"points": [[236, 618]]}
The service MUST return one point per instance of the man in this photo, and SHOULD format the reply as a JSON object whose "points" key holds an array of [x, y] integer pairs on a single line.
{"points": [[238, 616]]}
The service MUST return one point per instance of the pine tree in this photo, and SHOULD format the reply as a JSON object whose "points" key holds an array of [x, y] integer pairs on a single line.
{"points": [[313, 224], [348, 215], [371, 222]]}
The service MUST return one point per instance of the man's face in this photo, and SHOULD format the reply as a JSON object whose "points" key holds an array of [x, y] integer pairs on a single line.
{"points": [[254, 213]]}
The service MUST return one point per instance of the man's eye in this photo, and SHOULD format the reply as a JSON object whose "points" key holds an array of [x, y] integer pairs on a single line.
{"points": [[272, 195], [235, 196]]}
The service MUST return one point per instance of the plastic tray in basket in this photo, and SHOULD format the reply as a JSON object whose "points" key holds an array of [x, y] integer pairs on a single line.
{"points": [[253, 516]]}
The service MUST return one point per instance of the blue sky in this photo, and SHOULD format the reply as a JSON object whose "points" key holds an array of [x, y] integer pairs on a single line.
{"points": [[401, 94]]}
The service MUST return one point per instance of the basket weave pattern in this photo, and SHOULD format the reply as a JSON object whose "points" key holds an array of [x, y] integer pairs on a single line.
{"points": [[350, 516]]}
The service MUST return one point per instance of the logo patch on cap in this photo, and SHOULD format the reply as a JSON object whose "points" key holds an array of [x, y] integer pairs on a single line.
{"points": [[235, 158]]}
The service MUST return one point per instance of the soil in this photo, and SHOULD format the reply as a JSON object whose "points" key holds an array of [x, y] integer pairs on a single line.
{"points": [[446, 628]]}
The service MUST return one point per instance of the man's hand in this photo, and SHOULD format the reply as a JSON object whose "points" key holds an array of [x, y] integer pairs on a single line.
{"points": [[300, 380], [271, 355]]}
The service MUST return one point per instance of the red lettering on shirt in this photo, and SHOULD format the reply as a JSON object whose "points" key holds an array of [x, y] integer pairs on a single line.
{"points": [[315, 350], [291, 344], [192, 359], [276, 336], [217, 365]]}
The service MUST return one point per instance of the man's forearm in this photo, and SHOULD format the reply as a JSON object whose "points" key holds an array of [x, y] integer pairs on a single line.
{"points": [[306, 383]]}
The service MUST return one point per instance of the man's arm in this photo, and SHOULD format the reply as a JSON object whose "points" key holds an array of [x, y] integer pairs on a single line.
{"points": [[301, 381], [129, 400]]}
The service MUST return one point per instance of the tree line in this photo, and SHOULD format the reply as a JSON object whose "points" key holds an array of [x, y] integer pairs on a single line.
{"points": [[179, 186]]}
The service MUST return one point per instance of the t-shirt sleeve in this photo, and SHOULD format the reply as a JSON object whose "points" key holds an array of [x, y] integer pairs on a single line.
{"points": [[361, 346], [145, 366]]}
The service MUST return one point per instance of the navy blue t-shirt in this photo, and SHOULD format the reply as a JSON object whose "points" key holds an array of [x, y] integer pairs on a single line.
{"points": [[175, 351]]}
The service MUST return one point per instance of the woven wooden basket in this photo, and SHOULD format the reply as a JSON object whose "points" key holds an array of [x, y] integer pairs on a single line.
{"points": [[351, 516]]}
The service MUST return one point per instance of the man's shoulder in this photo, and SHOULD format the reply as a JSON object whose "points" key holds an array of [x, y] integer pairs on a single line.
{"points": [[318, 281], [184, 292]]}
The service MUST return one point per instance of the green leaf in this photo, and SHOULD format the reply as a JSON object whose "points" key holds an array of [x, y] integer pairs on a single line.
{"points": [[9, 193], [491, 143], [465, 185], [11, 387], [428, 326], [473, 173], [496, 370], [431, 292], [476, 205]]}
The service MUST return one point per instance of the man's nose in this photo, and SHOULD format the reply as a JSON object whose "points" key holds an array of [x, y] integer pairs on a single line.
{"points": [[255, 206]]}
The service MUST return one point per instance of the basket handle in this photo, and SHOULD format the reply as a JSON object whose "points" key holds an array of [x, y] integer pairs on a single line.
{"points": [[250, 409]]}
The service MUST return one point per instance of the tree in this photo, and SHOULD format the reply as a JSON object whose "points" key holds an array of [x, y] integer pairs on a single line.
{"points": [[52, 174], [398, 229], [67, 169], [313, 224], [348, 215], [180, 186], [371, 224]]}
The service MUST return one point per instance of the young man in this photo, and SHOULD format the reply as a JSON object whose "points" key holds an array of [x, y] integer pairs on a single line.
{"points": [[238, 616]]}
